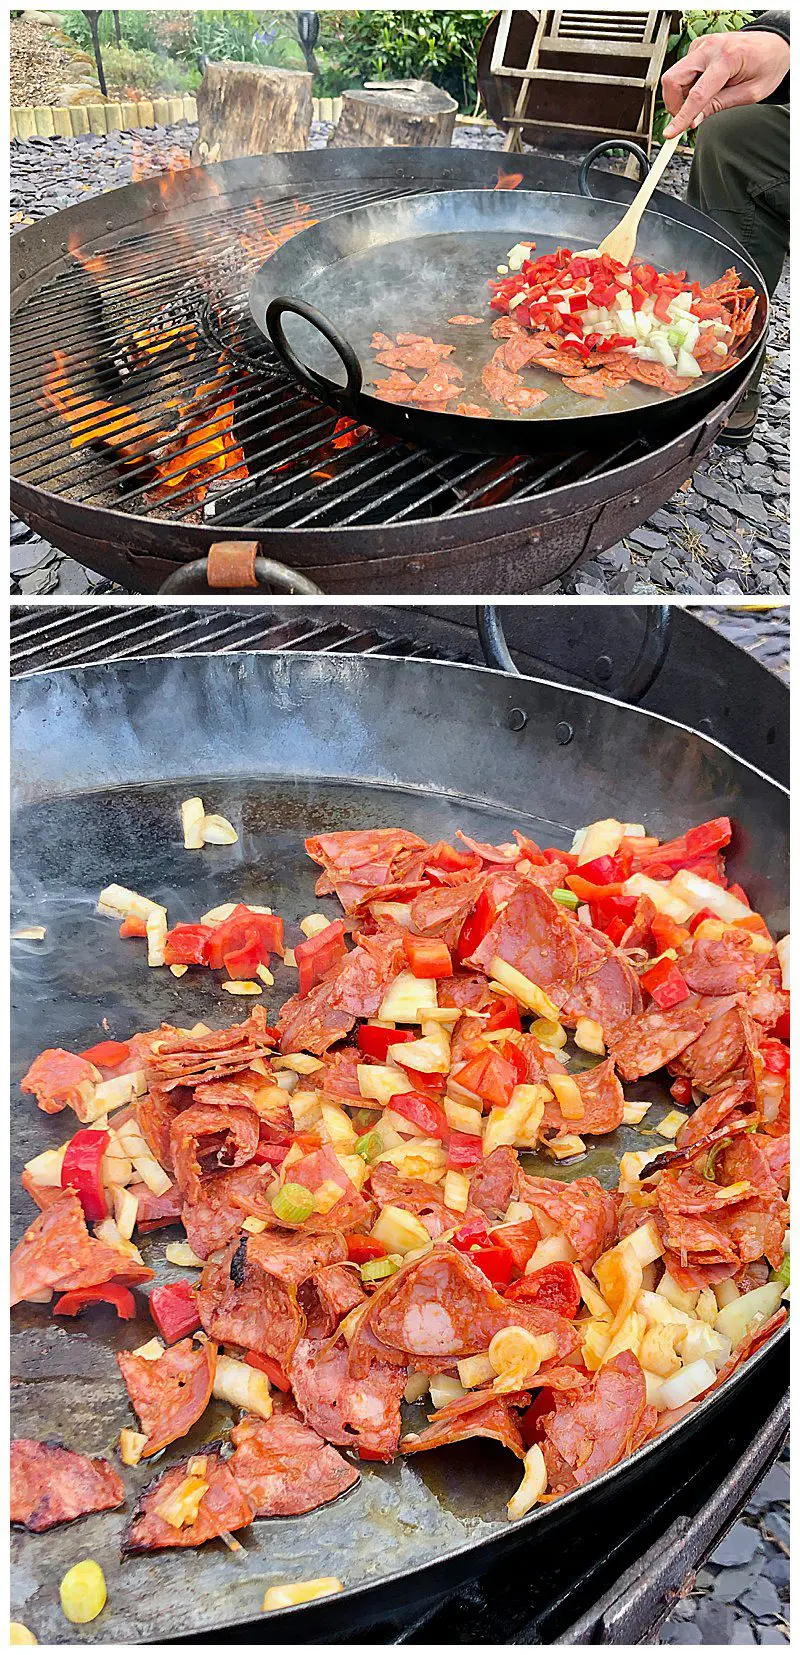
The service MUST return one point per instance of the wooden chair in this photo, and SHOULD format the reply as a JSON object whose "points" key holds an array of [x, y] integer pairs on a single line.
{"points": [[577, 75]]}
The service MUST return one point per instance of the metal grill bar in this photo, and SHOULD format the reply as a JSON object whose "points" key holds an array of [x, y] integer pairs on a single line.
{"points": [[82, 635]]}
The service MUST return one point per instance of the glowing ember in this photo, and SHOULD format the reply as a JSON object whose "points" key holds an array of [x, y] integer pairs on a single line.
{"points": [[508, 180]]}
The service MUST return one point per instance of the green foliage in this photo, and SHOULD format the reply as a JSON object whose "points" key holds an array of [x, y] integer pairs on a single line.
{"points": [[149, 72], [440, 46], [353, 46], [695, 24]]}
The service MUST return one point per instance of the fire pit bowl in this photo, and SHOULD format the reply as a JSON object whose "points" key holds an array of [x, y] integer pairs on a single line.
{"points": [[151, 419]]}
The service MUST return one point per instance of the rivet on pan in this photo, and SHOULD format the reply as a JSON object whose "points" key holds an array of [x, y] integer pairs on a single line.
{"points": [[602, 668], [706, 726], [564, 733], [109, 223], [517, 719], [636, 499]]}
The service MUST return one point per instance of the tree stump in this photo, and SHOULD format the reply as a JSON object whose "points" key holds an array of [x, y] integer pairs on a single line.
{"points": [[397, 112], [244, 109]]}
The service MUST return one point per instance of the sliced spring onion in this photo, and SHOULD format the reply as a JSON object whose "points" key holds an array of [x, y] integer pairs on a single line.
{"points": [[368, 1146], [568, 899], [782, 1273], [293, 1203], [377, 1269]]}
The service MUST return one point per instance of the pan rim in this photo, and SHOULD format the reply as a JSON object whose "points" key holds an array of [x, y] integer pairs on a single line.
{"points": [[387, 661]]}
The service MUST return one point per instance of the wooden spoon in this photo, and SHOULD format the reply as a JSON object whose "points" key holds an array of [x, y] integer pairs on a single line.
{"points": [[621, 242]]}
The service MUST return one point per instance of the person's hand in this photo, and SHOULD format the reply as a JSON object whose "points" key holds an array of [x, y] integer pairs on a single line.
{"points": [[720, 71]]}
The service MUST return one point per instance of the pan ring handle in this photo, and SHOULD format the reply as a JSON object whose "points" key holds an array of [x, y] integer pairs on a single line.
{"points": [[340, 395], [192, 578], [639, 680], [607, 148]]}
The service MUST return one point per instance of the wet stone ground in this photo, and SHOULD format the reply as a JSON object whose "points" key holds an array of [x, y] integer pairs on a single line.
{"points": [[742, 1595], [726, 532]]}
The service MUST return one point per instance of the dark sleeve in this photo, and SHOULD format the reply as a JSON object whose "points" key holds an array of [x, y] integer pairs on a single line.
{"points": [[774, 22]]}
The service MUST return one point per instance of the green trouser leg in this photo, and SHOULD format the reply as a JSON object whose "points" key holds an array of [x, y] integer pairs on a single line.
{"points": [[740, 178]]}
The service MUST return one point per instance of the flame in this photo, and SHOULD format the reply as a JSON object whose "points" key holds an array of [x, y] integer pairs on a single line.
{"points": [[95, 264], [257, 240], [142, 343], [95, 420], [144, 163], [508, 180], [190, 456]]}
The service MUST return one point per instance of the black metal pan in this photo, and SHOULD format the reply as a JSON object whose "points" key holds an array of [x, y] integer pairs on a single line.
{"points": [[411, 263], [284, 745]]}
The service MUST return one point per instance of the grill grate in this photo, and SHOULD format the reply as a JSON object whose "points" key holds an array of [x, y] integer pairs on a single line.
{"points": [[86, 635], [186, 284]]}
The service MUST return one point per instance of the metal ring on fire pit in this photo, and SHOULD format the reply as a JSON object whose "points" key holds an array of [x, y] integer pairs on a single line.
{"points": [[607, 148], [634, 686], [236, 568]]}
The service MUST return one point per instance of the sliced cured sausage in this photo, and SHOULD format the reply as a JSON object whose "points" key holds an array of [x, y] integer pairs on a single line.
{"points": [[533, 935], [51, 1484], [285, 1469], [169, 1394], [222, 1509]]}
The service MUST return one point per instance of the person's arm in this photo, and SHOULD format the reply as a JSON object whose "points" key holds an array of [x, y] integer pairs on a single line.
{"points": [[721, 71]]}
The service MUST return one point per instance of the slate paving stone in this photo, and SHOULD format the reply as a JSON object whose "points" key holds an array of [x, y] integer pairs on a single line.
{"points": [[738, 1546], [752, 486], [761, 1598]]}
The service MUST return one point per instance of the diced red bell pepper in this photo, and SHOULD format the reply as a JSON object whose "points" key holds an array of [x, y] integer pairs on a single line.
{"points": [[476, 926], [530, 1422], [568, 856], [696, 842], [108, 1054], [496, 1262], [80, 1170], [516, 1057], [783, 1028], [613, 910], [776, 1056], [133, 926], [265, 1364], [470, 1234], [661, 307], [317, 954], [667, 933], [111, 1292], [450, 860], [243, 963], [555, 1287], [427, 956], [665, 984], [173, 1307], [375, 1042], [490, 1077], [270, 1154], [360, 1248], [422, 1112], [697, 919], [607, 870], [681, 1091], [465, 1149], [587, 891], [504, 1015], [521, 1240], [187, 945]]}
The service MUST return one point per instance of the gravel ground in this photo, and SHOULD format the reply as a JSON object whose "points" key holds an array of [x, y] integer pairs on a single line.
{"points": [[726, 532]]}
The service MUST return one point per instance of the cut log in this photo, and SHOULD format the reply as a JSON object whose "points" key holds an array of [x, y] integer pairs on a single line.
{"points": [[396, 112], [244, 109]]}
